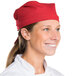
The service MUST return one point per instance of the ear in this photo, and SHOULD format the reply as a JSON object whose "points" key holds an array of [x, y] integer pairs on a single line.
{"points": [[25, 33]]}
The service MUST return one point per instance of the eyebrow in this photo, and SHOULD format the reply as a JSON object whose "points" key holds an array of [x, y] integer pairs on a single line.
{"points": [[49, 25]]}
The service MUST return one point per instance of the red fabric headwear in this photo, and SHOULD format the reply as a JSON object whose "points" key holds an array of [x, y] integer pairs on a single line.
{"points": [[33, 11]]}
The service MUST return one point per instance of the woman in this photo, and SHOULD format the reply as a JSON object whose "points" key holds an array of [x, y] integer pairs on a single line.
{"points": [[38, 36]]}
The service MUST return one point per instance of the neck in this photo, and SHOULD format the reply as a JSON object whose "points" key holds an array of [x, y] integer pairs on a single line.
{"points": [[35, 59]]}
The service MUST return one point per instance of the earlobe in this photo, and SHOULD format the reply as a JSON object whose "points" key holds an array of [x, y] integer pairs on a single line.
{"points": [[25, 34]]}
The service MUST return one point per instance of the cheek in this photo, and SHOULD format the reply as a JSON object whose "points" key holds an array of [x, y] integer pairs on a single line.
{"points": [[58, 38], [38, 39], [40, 36], [43, 37]]}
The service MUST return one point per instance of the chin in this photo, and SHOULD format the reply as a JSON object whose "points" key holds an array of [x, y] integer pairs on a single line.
{"points": [[50, 53]]}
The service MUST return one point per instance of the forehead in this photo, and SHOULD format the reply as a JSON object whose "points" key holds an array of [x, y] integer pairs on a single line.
{"points": [[50, 23]]}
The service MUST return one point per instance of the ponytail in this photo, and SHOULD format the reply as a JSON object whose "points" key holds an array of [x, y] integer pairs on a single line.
{"points": [[20, 45]]}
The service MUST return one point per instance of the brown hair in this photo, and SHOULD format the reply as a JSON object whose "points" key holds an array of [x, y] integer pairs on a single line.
{"points": [[19, 46]]}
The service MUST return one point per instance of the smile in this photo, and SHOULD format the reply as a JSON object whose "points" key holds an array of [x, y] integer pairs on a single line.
{"points": [[50, 45]]}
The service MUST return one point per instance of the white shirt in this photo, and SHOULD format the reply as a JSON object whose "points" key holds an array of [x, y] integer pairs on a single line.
{"points": [[21, 67]]}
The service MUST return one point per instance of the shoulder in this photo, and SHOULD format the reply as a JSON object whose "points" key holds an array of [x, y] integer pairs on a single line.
{"points": [[11, 70], [54, 72]]}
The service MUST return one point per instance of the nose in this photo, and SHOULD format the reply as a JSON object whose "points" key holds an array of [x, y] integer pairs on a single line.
{"points": [[53, 35]]}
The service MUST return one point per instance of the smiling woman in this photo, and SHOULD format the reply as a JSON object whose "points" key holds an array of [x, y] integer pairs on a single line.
{"points": [[44, 39], [38, 36]]}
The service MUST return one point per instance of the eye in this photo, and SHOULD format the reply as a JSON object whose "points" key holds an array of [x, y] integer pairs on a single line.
{"points": [[46, 29], [58, 29]]}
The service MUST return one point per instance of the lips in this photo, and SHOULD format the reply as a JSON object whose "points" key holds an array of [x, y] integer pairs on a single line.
{"points": [[49, 44], [52, 45]]}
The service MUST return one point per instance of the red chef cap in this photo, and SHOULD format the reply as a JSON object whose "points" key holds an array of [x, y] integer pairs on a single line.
{"points": [[33, 11]]}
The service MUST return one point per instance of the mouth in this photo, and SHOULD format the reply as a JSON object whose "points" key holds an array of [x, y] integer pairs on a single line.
{"points": [[50, 45]]}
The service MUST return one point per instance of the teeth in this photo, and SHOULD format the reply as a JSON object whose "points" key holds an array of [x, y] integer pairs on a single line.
{"points": [[51, 45]]}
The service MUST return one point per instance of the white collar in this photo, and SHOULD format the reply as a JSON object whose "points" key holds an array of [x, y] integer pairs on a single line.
{"points": [[27, 65]]}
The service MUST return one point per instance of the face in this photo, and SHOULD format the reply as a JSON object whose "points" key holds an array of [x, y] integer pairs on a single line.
{"points": [[45, 37]]}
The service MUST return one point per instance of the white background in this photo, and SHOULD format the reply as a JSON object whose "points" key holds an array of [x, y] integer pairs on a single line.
{"points": [[65, 58]]}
